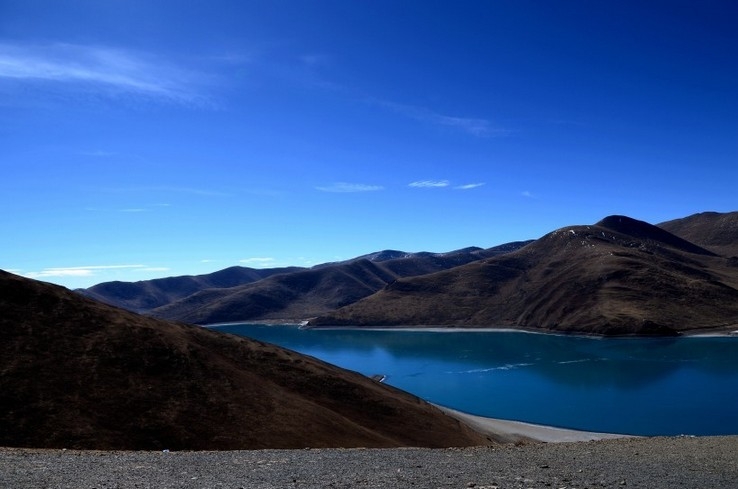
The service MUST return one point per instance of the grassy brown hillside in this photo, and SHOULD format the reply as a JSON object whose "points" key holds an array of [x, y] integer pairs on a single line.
{"points": [[145, 295], [76, 373], [324, 288], [294, 295], [715, 231], [617, 277]]}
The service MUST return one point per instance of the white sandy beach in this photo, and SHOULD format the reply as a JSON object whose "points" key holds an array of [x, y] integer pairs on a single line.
{"points": [[517, 431]]}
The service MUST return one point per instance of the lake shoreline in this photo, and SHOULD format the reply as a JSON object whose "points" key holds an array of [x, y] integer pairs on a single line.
{"points": [[727, 331], [508, 431]]}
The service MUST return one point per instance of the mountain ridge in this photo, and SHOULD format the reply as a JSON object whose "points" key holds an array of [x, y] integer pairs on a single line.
{"points": [[630, 289], [591, 279], [715, 231], [285, 294], [145, 295]]}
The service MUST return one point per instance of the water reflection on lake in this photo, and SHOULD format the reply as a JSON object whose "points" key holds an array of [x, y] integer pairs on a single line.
{"points": [[645, 386]]}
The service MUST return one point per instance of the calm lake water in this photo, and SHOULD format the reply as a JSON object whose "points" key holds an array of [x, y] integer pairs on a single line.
{"points": [[638, 386]]}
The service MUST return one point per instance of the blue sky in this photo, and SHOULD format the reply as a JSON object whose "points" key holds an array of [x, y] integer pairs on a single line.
{"points": [[141, 139]]}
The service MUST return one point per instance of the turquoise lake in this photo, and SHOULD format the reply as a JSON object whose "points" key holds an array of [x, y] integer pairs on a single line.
{"points": [[639, 386]]}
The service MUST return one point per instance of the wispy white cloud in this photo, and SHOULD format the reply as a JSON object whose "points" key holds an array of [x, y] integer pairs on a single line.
{"points": [[430, 184], [528, 195], [260, 262], [57, 272], [469, 186], [443, 184], [343, 187], [474, 126], [99, 68], [307, 73]]}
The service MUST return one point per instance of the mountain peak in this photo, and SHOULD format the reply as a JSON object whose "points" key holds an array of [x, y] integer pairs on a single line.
{"points": [[643, 230]]}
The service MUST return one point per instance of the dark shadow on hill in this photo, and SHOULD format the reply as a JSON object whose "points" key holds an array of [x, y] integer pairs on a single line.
{"points": [[75, 373]]}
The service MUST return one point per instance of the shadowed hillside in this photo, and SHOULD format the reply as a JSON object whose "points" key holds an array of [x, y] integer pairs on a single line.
{"points": [[618, 277], [294, 295], [715, 231], [76, 373], [149, 294], [309, 293]]}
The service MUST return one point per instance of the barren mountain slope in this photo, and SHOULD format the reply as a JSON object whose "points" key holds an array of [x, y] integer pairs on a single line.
{"points": [[145, 295], [308, 293], [715, 231], [295, 295], [620, 276]]}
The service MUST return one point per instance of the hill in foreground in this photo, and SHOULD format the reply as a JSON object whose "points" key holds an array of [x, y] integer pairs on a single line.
{"points": [[620, 276], [75, 373]]}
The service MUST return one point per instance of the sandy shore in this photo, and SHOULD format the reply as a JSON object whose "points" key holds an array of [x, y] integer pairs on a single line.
{"points": [[516, 431]]}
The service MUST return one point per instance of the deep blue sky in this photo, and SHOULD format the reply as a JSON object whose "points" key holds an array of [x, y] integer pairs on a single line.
{"points": [[152, 138]]}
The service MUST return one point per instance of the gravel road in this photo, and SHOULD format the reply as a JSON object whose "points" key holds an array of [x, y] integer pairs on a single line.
{"points": [[705, 462]]}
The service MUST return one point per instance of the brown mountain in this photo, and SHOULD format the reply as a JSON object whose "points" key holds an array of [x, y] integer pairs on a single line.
{"points": [[715, 231], [146, 295], [309, 293], [617, 277], [80, 374]]}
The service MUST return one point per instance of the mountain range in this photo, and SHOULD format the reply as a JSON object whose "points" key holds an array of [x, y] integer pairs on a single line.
{"points": [[279, 294], [619, 276], [76, 373]]}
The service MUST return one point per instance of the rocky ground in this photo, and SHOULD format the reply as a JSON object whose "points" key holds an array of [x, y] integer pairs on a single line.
{"points": [[626, 463]]}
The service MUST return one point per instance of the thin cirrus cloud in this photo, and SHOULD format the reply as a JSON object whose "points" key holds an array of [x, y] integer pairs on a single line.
{"points": [[430, 184], [443, 184], [259, 262], [478, 127], [82, 271], [475, 126], [97, 68], [469, 186], [346, 188]]}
